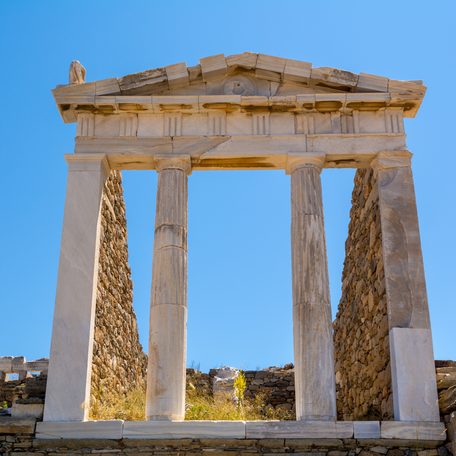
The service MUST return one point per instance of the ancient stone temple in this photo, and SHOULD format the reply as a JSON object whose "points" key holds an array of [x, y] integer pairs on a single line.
{"points": [[256, 112]]}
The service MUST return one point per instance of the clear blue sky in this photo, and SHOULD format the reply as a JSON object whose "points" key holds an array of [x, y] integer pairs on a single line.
{"points": [[239, 253]]}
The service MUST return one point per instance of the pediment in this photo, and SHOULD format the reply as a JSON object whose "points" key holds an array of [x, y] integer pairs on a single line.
{"points": [[245, 75]]}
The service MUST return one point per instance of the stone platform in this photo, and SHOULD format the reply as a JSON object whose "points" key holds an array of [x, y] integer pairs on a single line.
{"points": [[230, 438], [118, 429]]}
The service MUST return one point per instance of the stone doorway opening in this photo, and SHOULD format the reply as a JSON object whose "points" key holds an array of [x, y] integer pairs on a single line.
{"points": [[244, 269]]}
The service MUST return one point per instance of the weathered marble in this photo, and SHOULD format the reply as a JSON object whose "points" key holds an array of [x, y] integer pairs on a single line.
{"points": [[68, 384], [412, 430], [184, 429], [168, 311], [366, 429], [299, 429], [402, 256], [412, 358], [312, 322], [77, 73], [32, 410], [405, 286], [82, 430]]}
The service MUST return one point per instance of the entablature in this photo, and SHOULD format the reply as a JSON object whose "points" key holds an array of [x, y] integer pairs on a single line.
{"points": [[72, 105], [237, 120]]}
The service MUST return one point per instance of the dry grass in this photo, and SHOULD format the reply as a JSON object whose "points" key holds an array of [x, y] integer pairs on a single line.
{"points": [[199, 406], [112, 406]]}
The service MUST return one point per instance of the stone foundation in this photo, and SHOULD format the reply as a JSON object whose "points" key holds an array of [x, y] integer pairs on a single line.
{"points": [[361, 344], [24, 443]]}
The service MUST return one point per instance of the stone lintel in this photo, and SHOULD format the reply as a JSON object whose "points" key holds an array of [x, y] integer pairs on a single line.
{"points": [[243, 152]]}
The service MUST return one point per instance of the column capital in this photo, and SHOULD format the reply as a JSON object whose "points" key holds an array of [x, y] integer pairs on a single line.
{"points": [[391, 159], [88, 162], [182, 162], [296, 161]]}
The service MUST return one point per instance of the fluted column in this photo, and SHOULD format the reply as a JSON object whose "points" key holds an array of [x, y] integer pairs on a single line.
{"points": [[70, 364], [412, 360], [168, 309], [312, 322]]}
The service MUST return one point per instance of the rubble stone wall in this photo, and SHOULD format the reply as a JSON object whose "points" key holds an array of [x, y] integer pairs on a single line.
{"points": [[119, 363], [275, 386], [363, 375], [24, 444]]}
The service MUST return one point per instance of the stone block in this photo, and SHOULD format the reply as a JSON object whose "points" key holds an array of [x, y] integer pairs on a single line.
{"points": [[372, 83], [334, 76], [184, 429], [297, 71], [446, 379], [412, 430], [309, 443], [299, 429], [107, 87], [447, 400], [79, 429], [5, 363], [270, 63], [213, 66], [246, 60], [413, 380], [10, 425], [366, 429], [451, 427], [27, 410], [177, 75]]}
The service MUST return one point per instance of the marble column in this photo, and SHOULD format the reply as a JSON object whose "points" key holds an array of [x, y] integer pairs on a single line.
{"points": [[312, 321], [412, 360], [168, 311], [68, 383]]}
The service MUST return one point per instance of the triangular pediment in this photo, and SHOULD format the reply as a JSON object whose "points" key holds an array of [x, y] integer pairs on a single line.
{"points": [[246, 74], [243, 74]]}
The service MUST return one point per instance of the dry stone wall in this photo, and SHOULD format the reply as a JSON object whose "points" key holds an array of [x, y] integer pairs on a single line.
{"points": [[274, 385], [119, 363], [361, 344]]}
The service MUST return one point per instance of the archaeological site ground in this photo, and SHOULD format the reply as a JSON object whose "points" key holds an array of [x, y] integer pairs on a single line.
{"points": [[366, 383]]}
